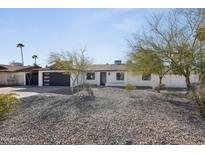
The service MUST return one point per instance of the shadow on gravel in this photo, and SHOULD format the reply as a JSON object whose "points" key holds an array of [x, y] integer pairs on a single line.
{"points": [[85, 106], [187, 110], [175, 105], [50, 89]]}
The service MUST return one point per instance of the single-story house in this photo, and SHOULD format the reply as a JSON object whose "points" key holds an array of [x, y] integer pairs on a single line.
{"points": [[12, 75], [111, 75], [102, 75]]}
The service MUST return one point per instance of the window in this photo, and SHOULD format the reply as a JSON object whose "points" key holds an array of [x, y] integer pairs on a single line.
{"points": [[146, 76], [90, 76], [119, 76]]}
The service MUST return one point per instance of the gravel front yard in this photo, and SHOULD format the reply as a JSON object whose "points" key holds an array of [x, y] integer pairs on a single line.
{"points": [[114, 117]]}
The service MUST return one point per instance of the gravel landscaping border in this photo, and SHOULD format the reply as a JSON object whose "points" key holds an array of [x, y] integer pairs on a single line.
{"points": [[115, 116]]}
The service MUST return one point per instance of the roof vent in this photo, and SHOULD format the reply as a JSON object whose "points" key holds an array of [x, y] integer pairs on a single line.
{"points": [[118, 62]]}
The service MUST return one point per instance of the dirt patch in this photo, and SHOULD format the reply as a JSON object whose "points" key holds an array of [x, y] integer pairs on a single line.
{"points": [[113, 117]]}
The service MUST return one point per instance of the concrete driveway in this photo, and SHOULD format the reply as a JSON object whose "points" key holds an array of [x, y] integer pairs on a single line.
{"points": [[27, 91]]}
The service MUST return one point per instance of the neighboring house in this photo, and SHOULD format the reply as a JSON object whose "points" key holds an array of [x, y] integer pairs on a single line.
{"points": [[12, 75], [110, 75]]}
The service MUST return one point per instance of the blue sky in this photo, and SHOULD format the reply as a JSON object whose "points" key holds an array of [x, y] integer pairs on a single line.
{"points": [[102, 31]]}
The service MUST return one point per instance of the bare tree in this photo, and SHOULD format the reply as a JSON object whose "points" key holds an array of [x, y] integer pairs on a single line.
{"points": [[73, 63], [173, 36]]}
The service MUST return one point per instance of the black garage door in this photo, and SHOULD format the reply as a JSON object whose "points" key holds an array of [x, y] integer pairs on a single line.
{"points": [[56, 79]]}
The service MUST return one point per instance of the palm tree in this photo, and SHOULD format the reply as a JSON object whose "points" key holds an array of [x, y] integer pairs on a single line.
{"points": [[20, 45], [35, 57]]}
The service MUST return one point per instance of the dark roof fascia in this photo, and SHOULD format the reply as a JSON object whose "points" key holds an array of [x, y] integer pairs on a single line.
{"points": [[2, 67], [29, 68]]}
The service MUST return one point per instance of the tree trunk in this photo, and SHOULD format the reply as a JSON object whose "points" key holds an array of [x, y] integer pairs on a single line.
{"points": [[78, 87], [75, 81], [72, 86], [188, 84], [22, 57], [160, 84], [160, 80]]}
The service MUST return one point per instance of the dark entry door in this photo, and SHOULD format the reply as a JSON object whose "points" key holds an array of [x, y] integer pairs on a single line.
{"points": [[102, 78], [56, 79], [32, 79]]}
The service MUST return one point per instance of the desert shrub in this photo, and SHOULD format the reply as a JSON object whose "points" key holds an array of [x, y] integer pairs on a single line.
{"points": [[87, 87], [197, 94], [129, 87], [8, 103]]}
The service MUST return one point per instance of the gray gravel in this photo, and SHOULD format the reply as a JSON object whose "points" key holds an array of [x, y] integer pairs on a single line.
{"points": [[114, 117]]}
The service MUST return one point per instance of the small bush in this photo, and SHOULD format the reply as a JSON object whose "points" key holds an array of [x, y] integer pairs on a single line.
{"points": [[8, 103], [129, 87], [87, 87]]}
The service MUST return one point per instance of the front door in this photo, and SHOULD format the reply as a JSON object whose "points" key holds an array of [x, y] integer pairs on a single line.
{"points": [[102, 78]]}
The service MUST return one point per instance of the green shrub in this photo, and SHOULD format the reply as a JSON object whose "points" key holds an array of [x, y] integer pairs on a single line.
{"points": [[129, 87], [8, 103]]}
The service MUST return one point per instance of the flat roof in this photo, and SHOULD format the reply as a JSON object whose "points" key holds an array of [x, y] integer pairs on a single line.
{"points": [[97, 67]]}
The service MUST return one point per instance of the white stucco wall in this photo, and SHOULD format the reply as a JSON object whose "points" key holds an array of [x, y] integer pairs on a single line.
{"points": [[112, 81], [80, 80], [18, 76], [173, 81], [136, 80], [40, 78], [96, 81], [176, 81]]}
